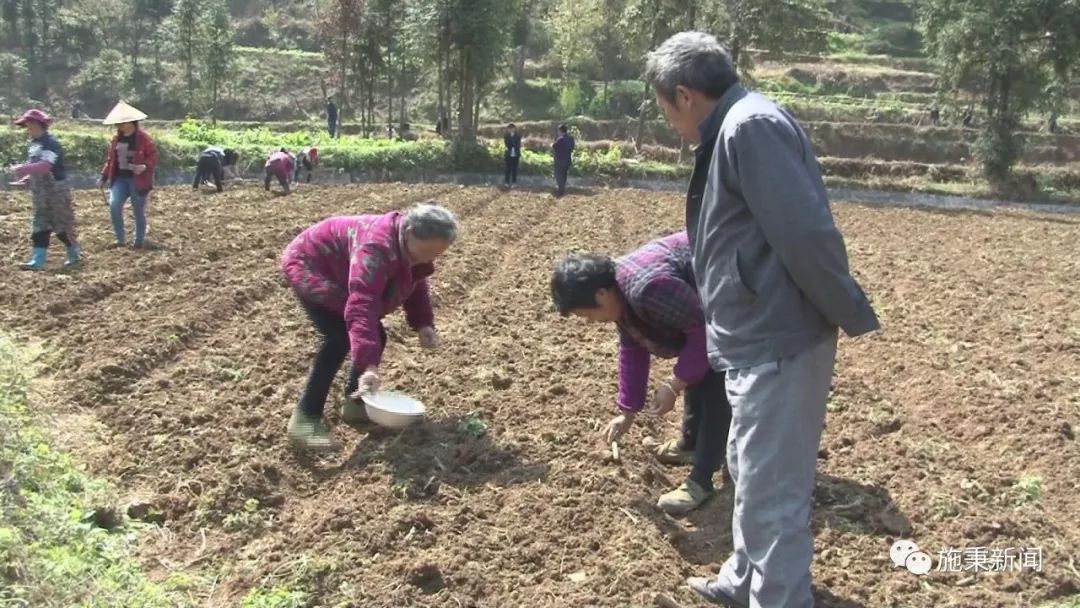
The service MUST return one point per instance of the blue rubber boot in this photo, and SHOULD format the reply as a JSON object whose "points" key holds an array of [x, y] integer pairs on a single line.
{"points": [[37, 259], [73, 257]]}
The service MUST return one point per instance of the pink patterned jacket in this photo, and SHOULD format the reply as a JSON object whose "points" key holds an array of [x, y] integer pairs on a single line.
{"points": [[357, 266]]}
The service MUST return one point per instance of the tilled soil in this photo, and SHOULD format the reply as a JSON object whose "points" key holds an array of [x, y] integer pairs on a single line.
{"points": [[173, 372]]}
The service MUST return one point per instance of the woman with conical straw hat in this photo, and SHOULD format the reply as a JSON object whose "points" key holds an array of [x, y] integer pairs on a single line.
{"points": [[129, 171]]}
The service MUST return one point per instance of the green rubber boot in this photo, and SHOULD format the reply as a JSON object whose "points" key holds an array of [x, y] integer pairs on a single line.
{"points": [[311, 434]]}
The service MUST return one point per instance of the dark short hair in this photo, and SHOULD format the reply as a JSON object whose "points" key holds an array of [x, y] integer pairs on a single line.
{"points": [[562, 128], [577, 278], [511, 126], [231, 156]]}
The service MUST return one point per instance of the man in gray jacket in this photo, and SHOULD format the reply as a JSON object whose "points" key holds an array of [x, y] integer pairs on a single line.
{"points": [[772, 271]]}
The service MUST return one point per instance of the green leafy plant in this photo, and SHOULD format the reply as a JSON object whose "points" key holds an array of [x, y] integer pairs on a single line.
{"points": [[474, 426], [275, 597]]}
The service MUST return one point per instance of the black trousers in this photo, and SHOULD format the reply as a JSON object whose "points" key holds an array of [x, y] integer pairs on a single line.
{"points": [[41, 238], [332, 353], [706, 422], [561, 173], [512, 163], [209, 168], [282, 178]]}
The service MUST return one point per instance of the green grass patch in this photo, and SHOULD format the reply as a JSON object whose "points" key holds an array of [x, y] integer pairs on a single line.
{"points": [[275, 597], [1028, 489], [55, 549]]}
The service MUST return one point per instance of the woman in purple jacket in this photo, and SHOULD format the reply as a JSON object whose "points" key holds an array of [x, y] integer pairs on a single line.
{"points": [[651, 296], [349, 272]]}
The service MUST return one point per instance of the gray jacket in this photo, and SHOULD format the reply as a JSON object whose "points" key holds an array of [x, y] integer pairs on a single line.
{"points": [[769, 260]]}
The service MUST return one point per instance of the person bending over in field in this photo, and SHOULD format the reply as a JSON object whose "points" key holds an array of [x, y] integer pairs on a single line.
{"points": [[651, 296], [349, 272], [45, 174], [306, 160], [279, 165], [215, 164]]}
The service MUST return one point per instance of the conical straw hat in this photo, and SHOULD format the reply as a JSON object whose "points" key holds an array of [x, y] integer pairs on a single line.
{"points": [[122, 113]]}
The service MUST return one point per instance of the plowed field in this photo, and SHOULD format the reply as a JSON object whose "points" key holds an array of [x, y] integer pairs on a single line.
{"points": [[172, 372]]}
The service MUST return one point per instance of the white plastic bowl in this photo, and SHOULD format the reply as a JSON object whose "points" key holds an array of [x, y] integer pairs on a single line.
{"points": [[392, 409]]}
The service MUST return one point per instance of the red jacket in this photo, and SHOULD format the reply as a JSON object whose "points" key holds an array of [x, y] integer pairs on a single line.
{"points": [[281, 163], [145, 154]]}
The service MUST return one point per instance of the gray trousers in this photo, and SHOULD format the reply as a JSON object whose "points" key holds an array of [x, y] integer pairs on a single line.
{"points": [[778, 412]]}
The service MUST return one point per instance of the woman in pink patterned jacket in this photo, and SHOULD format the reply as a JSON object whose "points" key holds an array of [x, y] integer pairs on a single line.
{"points": [[349, 272]]}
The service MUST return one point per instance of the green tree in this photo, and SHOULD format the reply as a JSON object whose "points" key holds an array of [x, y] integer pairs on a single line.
{"points": [[32, 31], [1006, 53], [646, 23], [477, 38], [219, 51], [574, 26], [779, 26], [14, 74], [189, 38], [340, 23], [148, 17]]}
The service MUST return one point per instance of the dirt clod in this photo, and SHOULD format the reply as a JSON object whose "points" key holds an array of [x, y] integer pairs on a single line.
{"points": [[428, 577]]}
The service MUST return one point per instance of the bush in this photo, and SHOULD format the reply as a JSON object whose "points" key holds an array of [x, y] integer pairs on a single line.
{"points": [[622, 100], [14, 74], [900, 39], [574, 99], [102, 80]]}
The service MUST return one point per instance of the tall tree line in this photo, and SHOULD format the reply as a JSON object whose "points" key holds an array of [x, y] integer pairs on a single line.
{"points": [[114, 48]]}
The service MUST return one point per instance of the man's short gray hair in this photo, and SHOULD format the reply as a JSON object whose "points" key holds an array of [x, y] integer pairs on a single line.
{"points": [[430, 221], [694, 60]]}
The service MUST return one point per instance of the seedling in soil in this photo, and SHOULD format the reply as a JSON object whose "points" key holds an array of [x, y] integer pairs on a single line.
{"points": [[278, 597], [474, 426], [248, 519], [1028, 489]]}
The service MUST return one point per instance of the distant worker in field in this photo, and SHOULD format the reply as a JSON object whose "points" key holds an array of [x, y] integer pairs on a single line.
{"points": [[279, 165], [563, 150], [650, 295], [444, 125], [76, 110], [306, 161], [968, 119], [772, 270], [331, 117], [1052, 122], [349, 272], [45, 173], [512, 156], [129, 171], [215, 164], [405, 132]]}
